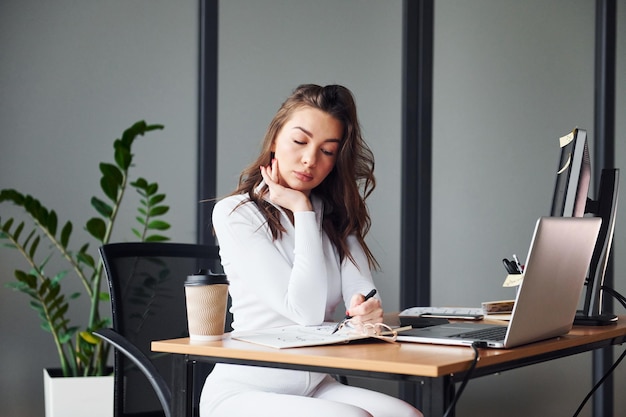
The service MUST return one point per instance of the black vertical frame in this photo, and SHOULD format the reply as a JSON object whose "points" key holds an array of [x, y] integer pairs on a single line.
{"points": [[417, 87], [207, 119], [604, 150], [416, 152]]}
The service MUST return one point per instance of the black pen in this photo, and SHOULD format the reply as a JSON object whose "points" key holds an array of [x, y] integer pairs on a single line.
{"points": [[348, 316]]}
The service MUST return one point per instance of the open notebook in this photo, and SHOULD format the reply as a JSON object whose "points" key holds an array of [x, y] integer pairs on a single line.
{"points": [[301, 336], [548, 297]]}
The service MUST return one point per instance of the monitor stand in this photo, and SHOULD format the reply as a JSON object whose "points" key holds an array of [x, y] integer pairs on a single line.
{"points": [[595, 320], [604, 207]]}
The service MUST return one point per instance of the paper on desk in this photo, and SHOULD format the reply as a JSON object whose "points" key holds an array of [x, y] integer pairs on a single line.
{"points": [[503, 317], [443, 311], [299, 336], [495, 307]]}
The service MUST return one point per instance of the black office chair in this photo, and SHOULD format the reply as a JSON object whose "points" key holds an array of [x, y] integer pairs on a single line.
{"points": [[146, 283]]}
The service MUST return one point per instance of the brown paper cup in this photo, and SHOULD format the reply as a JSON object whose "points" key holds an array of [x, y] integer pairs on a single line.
{"points": [[206, 311]]}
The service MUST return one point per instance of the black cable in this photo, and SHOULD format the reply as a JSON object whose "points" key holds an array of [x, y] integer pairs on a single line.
{"points": [[466, 378], [619, 297], [606, 375]]}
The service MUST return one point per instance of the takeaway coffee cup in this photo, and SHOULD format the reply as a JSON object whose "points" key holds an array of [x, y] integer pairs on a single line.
{"points": [[206, 295]]}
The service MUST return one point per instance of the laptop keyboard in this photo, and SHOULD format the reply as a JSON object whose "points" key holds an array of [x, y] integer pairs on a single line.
{"points": [[491, 333]]}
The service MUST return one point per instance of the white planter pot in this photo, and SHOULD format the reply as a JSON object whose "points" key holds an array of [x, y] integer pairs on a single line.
{"points": [[78, 396]]}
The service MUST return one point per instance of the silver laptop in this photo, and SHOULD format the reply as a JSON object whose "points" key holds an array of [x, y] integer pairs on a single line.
{"points": [[547, 300]]}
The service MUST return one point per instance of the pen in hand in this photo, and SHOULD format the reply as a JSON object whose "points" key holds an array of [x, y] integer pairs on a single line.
{"points": [[348, 316]]}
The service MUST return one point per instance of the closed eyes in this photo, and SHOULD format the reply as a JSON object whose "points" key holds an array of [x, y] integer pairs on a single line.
{"points": [[324, 151]]}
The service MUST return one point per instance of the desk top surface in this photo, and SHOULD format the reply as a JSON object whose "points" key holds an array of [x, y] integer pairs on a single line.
{"points": [[404, 358]]}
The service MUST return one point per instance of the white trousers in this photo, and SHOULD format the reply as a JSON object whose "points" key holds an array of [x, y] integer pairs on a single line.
{"points": [[238, 391]]}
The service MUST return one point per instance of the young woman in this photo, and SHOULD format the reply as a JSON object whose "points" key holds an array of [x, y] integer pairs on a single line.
{"points": [[292, 242]]}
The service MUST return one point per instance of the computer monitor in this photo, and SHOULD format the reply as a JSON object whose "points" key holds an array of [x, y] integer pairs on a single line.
{"points": [[573, 176], [571, 198]]}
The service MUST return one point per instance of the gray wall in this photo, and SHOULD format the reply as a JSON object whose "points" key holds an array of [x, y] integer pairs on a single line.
{"points": [[73, 76], [510, 78], [294, 42]]}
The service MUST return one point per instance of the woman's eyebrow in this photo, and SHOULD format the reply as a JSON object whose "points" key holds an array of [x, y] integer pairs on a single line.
{"points": [[310, 134], [306, 132]]}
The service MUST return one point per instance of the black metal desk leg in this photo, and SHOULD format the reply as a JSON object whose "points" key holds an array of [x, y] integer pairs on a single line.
{"points": [[437, 394], [181, 388]]}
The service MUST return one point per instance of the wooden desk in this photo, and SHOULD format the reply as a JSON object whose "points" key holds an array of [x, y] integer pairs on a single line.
{"points": [[435, 368]]}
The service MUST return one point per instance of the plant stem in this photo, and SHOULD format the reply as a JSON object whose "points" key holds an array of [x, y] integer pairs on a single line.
{"points": [[66, 365], [96, 282]]}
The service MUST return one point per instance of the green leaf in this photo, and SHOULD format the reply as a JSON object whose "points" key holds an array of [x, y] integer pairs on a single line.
{"points": [[123, 158], [65, 338], [60, 312], [109, 187], [66, 233], [55, 302], [152, 188], [43, 288], [36, 305], [53, 293], [58, 277], [28, 279], [136, 232], [7, 225], [18, 231], [86, 258], [158, 225], [140, 183], [154, 200], [139, 128], [159, 211], [112, 173], [52, 222], [102, 207], [150, 128], [16, 286], [33, 247], [12, 195], [131, 133], [96, 228], [156, 238], [28, 238]]}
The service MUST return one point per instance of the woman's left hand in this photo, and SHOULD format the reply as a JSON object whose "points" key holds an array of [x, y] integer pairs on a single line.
{"points": [[362, 311]]}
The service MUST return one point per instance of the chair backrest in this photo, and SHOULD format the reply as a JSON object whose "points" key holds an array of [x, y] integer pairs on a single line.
{"points": [[146, 284]]}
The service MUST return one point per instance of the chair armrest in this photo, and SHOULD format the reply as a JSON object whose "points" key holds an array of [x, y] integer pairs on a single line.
{"points": [[143, 363]]}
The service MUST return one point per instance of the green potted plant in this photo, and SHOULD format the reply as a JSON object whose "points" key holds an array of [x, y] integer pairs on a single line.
{"points": [[79, 352]]}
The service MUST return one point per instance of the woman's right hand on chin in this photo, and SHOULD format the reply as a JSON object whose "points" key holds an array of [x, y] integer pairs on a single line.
{"points": [[285, 197]]}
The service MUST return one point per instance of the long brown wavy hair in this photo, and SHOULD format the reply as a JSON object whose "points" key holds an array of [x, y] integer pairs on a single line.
{"points": [[348, 185]]}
